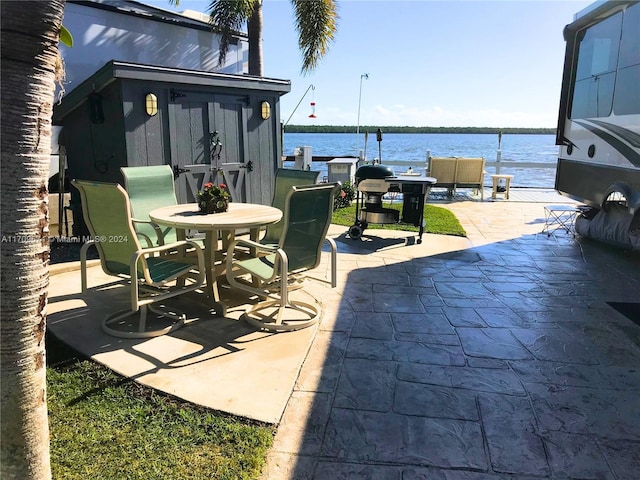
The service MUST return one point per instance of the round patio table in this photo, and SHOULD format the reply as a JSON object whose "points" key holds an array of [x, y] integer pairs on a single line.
{"points": [[240, 216]]}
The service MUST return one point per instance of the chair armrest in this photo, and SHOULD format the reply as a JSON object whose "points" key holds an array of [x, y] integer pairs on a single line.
{"points": [[142, 253], [154, 225], [170, 246], [252, 244], [281, 264], [146, 238], [83, 264]]}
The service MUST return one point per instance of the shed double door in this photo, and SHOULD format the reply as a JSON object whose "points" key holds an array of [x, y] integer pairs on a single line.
{"points": [[208, 141]]}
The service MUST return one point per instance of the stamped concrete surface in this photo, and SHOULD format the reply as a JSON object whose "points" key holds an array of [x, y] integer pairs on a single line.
{"points": [[496, 356], [497, 359]]}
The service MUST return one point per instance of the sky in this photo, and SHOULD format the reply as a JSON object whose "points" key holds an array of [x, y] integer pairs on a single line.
{"points": [[455, 63]]}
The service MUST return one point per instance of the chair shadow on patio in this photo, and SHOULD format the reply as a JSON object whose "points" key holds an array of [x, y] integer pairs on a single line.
{"points": [[217, 362], [372, 241]]}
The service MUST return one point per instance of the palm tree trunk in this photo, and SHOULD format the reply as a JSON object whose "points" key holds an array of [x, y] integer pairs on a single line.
{"points": [[254, 32], [29, 37]]}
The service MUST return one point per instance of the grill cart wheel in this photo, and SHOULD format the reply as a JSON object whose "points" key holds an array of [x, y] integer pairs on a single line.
{"points": [[355, 232]]}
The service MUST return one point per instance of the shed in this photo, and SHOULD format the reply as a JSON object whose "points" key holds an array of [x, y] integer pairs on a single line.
{"points": [[207, 126]]}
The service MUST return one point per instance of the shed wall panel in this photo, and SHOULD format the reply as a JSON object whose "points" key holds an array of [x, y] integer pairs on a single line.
{"points": [[144, 133]]}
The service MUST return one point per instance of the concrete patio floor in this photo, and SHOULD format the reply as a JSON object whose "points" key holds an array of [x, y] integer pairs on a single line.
{"points": [[220, 363], [488, 357]]}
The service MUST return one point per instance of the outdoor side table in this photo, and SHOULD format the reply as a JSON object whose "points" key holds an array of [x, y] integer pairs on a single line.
{"points": [[560, 217], [495, 179]]}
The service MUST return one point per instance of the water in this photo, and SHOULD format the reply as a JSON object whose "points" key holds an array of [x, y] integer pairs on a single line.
{"points": [[410, 150]]}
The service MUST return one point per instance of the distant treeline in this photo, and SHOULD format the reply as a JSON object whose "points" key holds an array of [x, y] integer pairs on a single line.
{"points": [[396, 129]]}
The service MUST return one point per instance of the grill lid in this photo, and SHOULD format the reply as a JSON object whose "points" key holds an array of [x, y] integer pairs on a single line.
{"points": [[378, 171]]}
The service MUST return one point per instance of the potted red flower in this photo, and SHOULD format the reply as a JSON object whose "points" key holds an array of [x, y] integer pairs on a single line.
{"points": [[213, 198]]}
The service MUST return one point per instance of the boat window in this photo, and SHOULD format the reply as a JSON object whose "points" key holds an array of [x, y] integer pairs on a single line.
{"points": [[627, 94], [596, 70]]}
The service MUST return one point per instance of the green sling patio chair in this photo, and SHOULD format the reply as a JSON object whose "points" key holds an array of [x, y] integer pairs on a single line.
{"points": [[149, 188], [107, 214], [285, 179], [307, 215]]}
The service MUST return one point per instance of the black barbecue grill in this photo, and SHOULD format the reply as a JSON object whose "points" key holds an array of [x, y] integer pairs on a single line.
{"points": [[373, 182], [372, 186]]}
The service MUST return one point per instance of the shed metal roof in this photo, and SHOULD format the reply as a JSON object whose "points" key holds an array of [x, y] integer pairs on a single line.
{"points": [[114, 70]]}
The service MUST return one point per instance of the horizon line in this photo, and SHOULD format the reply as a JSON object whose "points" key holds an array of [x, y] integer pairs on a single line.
{"points": [[426, 127]]}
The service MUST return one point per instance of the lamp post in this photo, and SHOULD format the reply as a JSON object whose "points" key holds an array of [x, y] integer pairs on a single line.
{"points": [[363, 76]]}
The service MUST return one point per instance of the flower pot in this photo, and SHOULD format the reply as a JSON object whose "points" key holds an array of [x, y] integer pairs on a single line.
{"points": [[214, 205]]}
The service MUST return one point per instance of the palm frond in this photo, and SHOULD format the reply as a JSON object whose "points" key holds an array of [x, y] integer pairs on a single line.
{"points": [[228, 16], [316, 23]]}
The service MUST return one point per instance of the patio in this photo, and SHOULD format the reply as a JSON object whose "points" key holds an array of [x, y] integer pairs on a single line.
{"points": [[219, 363], [495, 356]]}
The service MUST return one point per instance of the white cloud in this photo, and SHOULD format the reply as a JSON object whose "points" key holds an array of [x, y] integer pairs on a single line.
{"points": [[435, 116]]}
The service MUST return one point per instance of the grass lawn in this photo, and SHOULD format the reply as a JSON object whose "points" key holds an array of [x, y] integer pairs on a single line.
{"points": [[103, 426], [438, 220]]}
